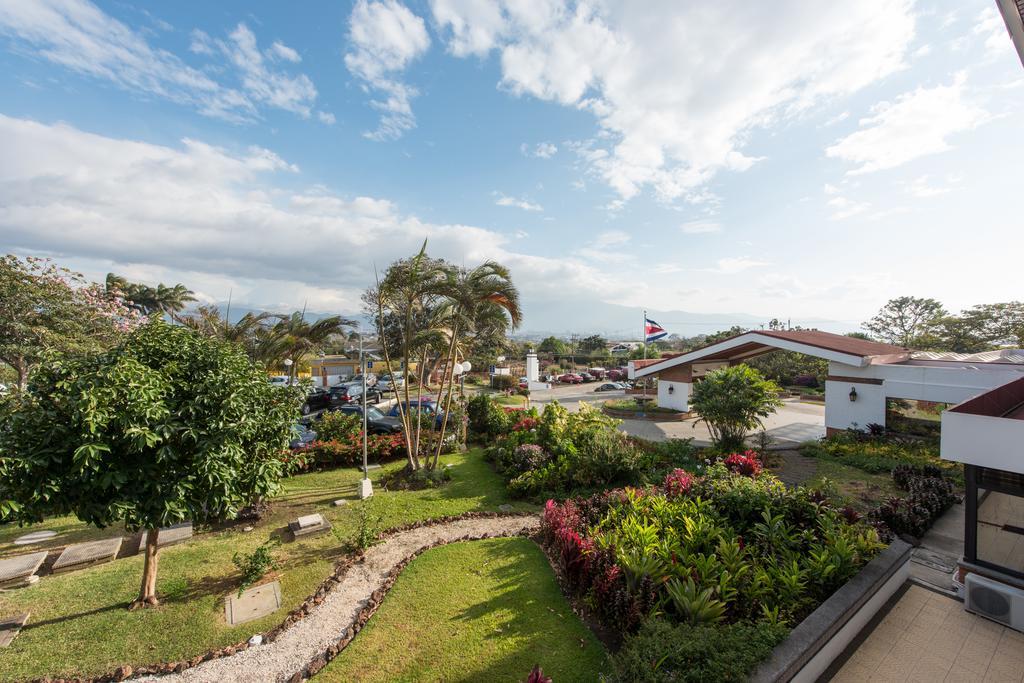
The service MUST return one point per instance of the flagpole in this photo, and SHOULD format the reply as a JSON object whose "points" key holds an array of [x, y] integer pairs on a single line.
{"points": [[643, 400]]}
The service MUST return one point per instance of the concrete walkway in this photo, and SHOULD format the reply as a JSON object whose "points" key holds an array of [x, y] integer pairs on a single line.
{"points": [[942, 546]]}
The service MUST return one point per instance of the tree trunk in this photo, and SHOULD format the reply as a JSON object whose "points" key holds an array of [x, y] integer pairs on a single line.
{"points": [[449, 375], [147, 593]]}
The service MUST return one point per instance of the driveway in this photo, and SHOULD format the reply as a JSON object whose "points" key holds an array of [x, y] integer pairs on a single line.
{"points": [[791, 424]]}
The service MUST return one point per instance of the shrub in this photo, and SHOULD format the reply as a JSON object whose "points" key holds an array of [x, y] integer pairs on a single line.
{"points": [[254, 565], [337, 426], [662, 651], [805, 381], [523, 458], [745, 463], [731, 401], [677, 483], [486, 418], [502, 382], [930, 495], [525, 424]]}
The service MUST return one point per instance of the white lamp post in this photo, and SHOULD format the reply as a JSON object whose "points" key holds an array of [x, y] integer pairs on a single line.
{"points": [[288, 368], [365, 486]]}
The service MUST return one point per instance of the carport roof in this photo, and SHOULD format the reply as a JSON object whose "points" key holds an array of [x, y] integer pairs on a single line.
{"points": [[837, 347]]}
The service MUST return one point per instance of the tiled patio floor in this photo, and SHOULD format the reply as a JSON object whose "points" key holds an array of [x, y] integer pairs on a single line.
{"points": [[929, 637]]}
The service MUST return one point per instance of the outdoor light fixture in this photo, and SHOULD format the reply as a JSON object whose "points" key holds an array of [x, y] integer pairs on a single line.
{"points": [[671, 389], [853, 393]]}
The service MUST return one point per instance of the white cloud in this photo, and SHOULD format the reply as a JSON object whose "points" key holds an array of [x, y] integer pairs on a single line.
{"points": [[737, 264], [843, 207], [700, 227], [262, 83], [282, 51], [916, 124], [326, 117], [830, 189], [611, 238], [516, 202], [385, 38], [922, 187], [79, 36], [674, 106], [542, 150], [199, 213]]}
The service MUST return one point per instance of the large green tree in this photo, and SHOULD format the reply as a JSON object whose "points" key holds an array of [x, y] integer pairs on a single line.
{"points": [[166, 427], [553, 345], [732, 401], [907, 321], [45, 307]]}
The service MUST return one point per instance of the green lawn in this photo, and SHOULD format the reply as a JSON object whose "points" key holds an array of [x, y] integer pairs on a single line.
{"points": [[476, 611], [515, 400], [862, 490], [79, 624]]}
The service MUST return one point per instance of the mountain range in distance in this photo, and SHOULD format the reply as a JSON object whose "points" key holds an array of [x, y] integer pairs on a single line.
{"points": [[562, 318]]}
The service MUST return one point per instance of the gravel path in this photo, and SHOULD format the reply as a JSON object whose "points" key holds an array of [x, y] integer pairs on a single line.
{"points": [[312, 636]]}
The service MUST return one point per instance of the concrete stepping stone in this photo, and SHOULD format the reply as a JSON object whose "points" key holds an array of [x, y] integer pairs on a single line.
{"points": [[169, 535], [19, 571], [82, 555], [11, 627], [253, 603], [309, 525], [35, 537]]}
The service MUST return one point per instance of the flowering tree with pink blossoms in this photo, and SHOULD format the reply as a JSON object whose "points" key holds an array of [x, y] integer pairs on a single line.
{"points": [[45, 307]]}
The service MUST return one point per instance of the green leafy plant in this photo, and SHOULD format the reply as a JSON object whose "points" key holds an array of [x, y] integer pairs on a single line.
{"points": [[732, 401], [255, 565], [662, 651]]}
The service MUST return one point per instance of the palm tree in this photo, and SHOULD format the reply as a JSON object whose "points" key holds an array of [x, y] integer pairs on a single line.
{"points": [[246, 332], [169, 300], [408, 291], [480, 300], [296, 338]]}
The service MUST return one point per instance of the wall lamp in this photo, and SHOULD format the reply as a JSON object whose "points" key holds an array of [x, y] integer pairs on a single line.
{"points": [[671, 389], [853, 393]]}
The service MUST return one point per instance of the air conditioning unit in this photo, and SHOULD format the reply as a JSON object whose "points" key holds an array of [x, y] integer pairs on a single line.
{"points": [[995, 601]]}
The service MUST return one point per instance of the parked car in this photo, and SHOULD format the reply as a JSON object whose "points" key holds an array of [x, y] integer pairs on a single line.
{"points": [[344, 394], [609, 386], [597, 373], [316, 399], [301, 436], [376, 421], [586, 377], [570, 378], [390, 382], [426, 405], [282, 381], [617, 374]]}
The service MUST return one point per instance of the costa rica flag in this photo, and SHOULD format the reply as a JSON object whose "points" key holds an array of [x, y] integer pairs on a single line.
{"points": [[653, 331]]}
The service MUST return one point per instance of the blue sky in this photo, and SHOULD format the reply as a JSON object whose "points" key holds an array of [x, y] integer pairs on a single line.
{"points": [[791, 160]]}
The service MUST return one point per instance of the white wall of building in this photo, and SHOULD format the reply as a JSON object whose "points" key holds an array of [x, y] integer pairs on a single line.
{"points": [[945, 383], [677, 399], [842, 413], [995, 442]]}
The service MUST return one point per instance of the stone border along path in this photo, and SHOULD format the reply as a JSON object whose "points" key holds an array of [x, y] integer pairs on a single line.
{"points": [[307, 645]]}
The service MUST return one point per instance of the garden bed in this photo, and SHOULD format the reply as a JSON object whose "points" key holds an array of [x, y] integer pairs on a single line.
{"points": [[729, 560], [630, 410]]}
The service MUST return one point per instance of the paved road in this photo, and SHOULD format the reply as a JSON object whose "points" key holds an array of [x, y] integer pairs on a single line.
{"points": [[791, 424]]}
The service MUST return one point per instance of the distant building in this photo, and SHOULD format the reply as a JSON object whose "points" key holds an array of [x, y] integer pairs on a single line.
{"points": [[618, 348]]}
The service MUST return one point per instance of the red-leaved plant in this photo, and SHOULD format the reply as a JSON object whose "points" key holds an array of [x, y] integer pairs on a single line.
{"points": [[746, 463], [537, 675], [677, 483], [525, 425]]}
